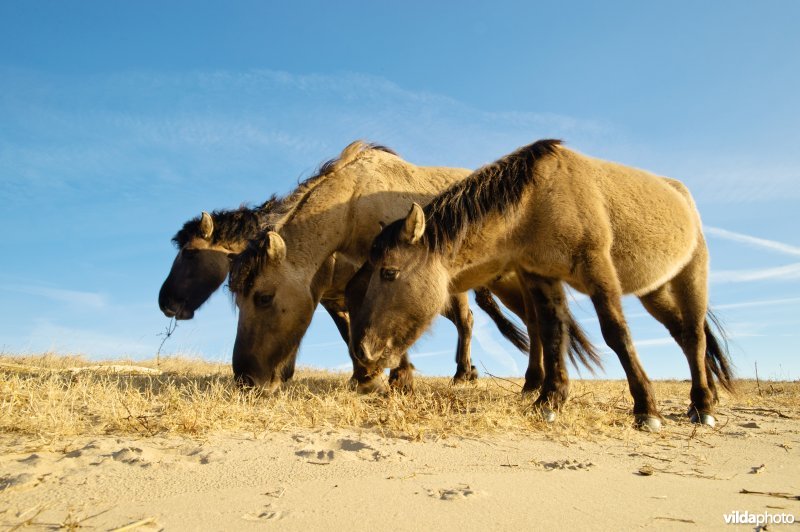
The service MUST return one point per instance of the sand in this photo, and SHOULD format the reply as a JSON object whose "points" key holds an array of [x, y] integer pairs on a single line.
{"points": [[331, 478]]}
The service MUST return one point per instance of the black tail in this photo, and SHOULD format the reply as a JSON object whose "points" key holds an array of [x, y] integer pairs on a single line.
{"points": [[717, 356], [514, 334], [580, 348]]}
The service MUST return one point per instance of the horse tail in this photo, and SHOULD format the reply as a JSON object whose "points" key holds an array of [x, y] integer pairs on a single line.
{"points": [[514, 334], [717, 355], [580, 348]]}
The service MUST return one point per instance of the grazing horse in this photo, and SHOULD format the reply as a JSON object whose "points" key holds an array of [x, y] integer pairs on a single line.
{"points": [[552, 216], [278, 281], [205, 244]]}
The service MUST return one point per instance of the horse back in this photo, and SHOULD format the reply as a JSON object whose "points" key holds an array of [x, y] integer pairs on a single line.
{"points": [[647, 223]]}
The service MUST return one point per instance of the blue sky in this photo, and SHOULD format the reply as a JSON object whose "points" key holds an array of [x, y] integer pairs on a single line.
{"points": [[120, 120]]}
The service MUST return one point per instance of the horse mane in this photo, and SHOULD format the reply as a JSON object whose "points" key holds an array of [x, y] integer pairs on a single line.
{"points": [[246, 265], [495, 187], [289, 205], [229, 225]]}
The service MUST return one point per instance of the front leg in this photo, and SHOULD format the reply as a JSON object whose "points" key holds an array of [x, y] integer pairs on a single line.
{"points": [[460, 314], [509, 290], [401, 378], [546, 306]]}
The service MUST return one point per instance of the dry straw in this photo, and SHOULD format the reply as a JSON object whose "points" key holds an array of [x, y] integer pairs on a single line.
{"points": [[57, 397]]}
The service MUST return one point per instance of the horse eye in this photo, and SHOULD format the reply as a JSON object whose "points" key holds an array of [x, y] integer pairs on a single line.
{"points": [[263, 300], [389, 274]]}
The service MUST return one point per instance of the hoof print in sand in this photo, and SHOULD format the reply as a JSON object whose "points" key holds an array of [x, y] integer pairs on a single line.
{"points": [[21, 480], [572, 465], [341, 449], [453, 494], [205, 457], [132, 456], [266, 514]]}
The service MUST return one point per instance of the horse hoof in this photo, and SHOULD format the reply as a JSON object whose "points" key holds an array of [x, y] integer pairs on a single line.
{"points": [[647, 423], [376, 386], [703, 419], [465, 377], [549, 415]]}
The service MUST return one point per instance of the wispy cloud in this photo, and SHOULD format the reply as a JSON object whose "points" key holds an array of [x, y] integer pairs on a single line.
{"points": [[758, 303], [718, 181], [93, 300], [790, 272], [119, 126], [773, 245], [429, 354]]}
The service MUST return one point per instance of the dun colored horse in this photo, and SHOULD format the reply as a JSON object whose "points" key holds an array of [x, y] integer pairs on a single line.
{"points": [[279, 279], [552, 215]]}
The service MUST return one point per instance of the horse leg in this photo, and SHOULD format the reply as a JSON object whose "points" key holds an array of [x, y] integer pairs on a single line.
{"points": [[690, 289], [363, 380], [460, 314], [401, 378], [600, 277], [661, 304], [512, 296], [547, 300], [338, 312]]}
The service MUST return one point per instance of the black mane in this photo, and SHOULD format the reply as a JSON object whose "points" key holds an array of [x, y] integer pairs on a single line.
{"points": [[229, 225], [496, 187], [247, 264]]}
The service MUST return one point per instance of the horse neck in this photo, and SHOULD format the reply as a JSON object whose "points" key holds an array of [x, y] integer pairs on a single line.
{"points": [[343, 214], [315, 230], [483, 252]]}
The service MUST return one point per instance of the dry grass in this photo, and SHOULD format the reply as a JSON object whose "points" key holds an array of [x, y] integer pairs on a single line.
{"points": [[48, 397]]}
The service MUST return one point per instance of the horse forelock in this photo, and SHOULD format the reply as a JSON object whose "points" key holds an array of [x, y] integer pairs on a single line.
{"points": [[246, 265], [388, 238]]}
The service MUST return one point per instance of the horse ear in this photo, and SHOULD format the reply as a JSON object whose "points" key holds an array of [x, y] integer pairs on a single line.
{"points": [[382, 225], [206, 225], [276, 247], [414, 226]]}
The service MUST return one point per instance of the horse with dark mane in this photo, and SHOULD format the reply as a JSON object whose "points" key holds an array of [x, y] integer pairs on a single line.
{"points": [[279, 279], [205, 245], [553, 216]]}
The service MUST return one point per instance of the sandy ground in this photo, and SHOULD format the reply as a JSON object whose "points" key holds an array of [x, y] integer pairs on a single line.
{"points": [[337, 479]]}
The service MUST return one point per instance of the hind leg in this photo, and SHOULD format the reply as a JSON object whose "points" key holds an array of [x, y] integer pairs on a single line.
{"points": [[547, 299], [460, 314], [661, 304], [689, 288]]}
